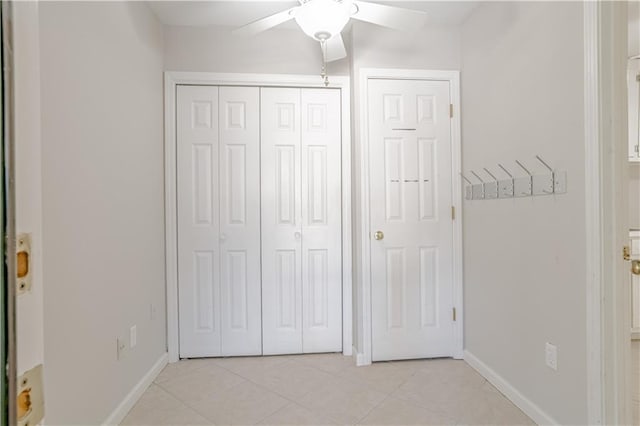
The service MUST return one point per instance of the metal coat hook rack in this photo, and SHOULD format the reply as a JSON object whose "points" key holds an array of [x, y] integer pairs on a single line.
{"points": [[529, 184]]}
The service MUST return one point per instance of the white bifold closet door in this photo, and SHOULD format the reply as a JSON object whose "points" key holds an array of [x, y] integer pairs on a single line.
{"points": [[301, 220], [218, 198]]}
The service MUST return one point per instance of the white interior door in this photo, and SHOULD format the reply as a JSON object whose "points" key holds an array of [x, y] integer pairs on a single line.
{"points": [[241, 317], [218, 154], [281, 221], [634, 243], [301, 220], [321, 221], [198, 221], [410, 204]]}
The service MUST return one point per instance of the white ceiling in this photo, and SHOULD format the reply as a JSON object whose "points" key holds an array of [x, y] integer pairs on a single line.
{"points": [[241, 12]]}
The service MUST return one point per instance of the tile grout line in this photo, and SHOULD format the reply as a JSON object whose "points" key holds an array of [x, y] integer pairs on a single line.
{"points": [[180, 401], [289, 400], [389, 395]]}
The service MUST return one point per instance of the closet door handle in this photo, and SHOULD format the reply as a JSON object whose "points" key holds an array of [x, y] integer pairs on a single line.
{"points": [[223, 237], [297, 235]]}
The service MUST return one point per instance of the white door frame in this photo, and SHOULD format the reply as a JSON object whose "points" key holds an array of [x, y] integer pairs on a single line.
{"points": [[174, 78], [608, 313], [453, 77]]}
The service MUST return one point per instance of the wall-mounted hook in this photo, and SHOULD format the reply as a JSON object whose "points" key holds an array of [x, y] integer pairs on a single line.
{"points": [[523, 186], [505, 170], [524, 168], [491, 188], [468, 190], [505, 186], [476, 175], [477, 189], [490, 174], [545, 164]]}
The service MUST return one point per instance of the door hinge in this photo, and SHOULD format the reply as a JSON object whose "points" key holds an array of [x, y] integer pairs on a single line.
{"points": [[454, 314], [451, 110], [453, 213]]}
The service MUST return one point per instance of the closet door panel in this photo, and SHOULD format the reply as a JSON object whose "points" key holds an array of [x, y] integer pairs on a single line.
{"points": [[281, 221], [321, 221], [198, 221], [239, 181]]}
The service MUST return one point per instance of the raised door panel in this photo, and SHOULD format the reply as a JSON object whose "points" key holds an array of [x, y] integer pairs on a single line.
{"points": [[198, 221], [321, 221], [239, 181], [410, 190], [282, 269]]}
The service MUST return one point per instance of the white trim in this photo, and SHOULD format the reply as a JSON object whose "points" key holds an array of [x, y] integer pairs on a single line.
{"points": [[132, 397], [453, 77], [526, 405], [593, 216], [172, 79]]}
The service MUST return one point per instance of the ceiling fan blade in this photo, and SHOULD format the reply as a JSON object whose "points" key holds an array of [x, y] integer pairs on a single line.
{"points": [[264, 24], [334, 49], [390, 16]]}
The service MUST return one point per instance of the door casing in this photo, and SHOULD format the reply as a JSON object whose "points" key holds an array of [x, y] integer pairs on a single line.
{"points": [[363, 262], [174, 78]]}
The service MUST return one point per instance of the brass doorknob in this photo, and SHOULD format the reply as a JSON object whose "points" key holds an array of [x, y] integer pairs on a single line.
{"points": [[379, 235], [635, 267]]}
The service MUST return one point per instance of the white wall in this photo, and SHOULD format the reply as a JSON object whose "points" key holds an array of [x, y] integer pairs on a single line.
{"points": [[215, 49], [29, 306], [102, 203], [524, 266], [436, 47]]}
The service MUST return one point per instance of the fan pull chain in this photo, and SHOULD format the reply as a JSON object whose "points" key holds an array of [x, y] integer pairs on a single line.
{"points": [[324, 74]]}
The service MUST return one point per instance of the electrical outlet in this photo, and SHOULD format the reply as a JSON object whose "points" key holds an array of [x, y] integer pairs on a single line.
{"points": [[120, 347], [551, 356], [133, 336]]}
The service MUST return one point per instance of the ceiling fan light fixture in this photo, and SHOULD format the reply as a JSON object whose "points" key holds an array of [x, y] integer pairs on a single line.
{"points": [[323, 19]]}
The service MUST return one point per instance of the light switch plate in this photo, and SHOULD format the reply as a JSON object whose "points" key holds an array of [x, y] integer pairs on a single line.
{"points": [[522, 186], [491, 190], [505, 188], [30, 397]]}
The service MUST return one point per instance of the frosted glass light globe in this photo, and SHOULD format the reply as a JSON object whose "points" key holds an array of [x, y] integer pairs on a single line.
{"points": [[322, 19]]}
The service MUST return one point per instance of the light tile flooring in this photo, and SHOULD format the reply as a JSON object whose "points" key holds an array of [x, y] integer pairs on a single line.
{"points": [[323, 389]]}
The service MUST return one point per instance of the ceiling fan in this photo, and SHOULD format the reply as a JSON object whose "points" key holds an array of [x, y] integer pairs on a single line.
{"points": [[323, 20]]}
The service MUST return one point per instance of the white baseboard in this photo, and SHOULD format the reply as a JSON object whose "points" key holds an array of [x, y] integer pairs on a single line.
{"points": [[132, 397], [348, 351], [527, 406], [361, 359]]}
